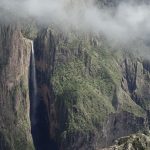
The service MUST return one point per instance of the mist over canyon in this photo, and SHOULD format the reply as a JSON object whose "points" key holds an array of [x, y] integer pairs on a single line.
{"points": [[74, 75], [124, 21]]}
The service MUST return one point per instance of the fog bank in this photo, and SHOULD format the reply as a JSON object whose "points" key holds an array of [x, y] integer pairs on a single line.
{"points": [[125, 22]]}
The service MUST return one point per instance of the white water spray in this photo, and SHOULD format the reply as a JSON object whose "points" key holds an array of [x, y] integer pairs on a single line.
{"points": [[33, 69], [34, 85]]}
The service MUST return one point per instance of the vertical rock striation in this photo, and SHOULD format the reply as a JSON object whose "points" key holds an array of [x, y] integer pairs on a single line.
{"points": [[15, 132]]}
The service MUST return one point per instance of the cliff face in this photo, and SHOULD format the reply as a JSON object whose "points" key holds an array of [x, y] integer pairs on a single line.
{"points": [[15, 129], [89, 95]]}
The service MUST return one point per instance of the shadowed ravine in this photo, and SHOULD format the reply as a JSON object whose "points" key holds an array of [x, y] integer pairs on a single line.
{"points": [[38, 111]]}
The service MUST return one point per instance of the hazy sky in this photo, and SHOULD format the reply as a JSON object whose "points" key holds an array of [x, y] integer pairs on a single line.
{"points": [[125, 22]]}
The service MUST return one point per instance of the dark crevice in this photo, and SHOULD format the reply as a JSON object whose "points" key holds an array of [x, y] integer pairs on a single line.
{"points": [[40, 122], [40, 131], [130, 75]]}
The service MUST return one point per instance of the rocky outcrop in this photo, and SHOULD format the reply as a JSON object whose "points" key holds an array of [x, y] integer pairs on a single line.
{"points": [[133, 142], [122, 124], [15, 131], [136, 81]]}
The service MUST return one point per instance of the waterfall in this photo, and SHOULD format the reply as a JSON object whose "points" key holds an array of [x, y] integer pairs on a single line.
{"points": [[33, 86], [38, 111], [33, 70]]}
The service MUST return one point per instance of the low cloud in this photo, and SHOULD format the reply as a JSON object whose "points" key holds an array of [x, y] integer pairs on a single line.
{"points": [[124, 22]]}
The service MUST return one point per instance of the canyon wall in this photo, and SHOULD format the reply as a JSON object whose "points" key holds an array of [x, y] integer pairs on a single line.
{"points": [[15, 131], [89, 94]]}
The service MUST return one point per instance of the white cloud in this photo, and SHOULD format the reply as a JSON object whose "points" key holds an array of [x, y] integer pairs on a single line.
{"points": [[127, 21]]}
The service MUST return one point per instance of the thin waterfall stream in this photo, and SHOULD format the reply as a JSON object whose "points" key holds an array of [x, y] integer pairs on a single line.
{"points": [[33, 86], [38, 111]]}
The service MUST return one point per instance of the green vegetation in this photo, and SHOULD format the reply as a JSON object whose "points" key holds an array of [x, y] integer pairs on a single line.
{"points": [[85, 84]]}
